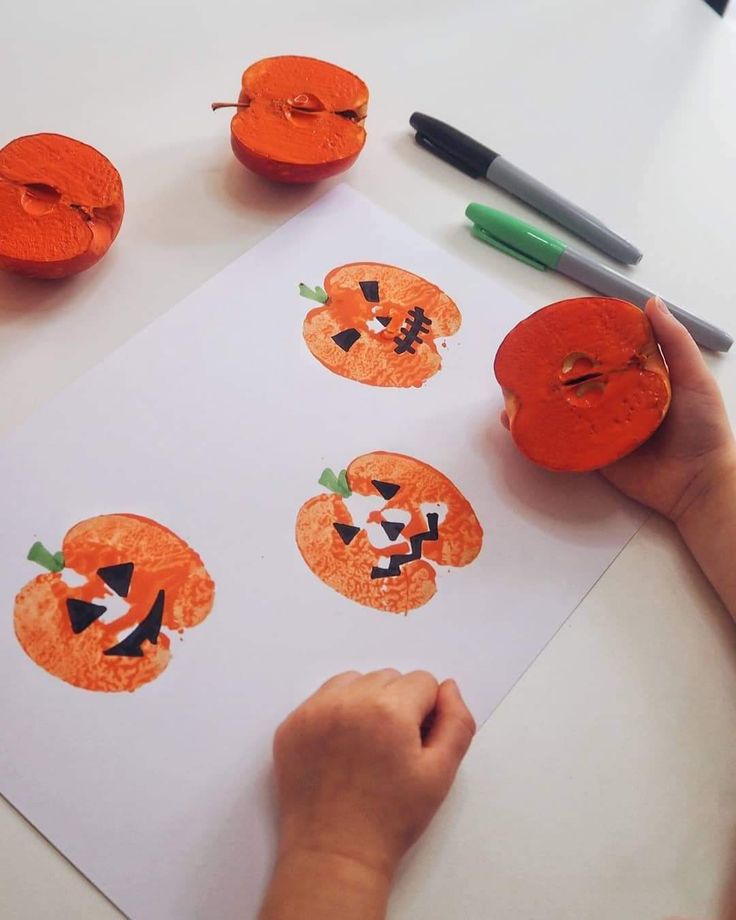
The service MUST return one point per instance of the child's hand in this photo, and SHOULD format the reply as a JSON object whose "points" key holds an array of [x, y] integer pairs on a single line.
{"points": [[361, 772], [694, 447]]}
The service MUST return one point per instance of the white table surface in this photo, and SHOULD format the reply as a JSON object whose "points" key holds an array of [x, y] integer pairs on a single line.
{"points": [[605, 784]]}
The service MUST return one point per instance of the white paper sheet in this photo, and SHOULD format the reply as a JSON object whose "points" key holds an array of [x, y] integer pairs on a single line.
{"points": [[217, 422]]}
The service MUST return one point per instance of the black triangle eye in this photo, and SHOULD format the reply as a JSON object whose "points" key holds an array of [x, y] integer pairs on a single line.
{"points": [[370, 290], [82, 613], [117, 577], [346, 339], [147, 630], [386, 489], [392, 528], [384, 320], [347, 532]]}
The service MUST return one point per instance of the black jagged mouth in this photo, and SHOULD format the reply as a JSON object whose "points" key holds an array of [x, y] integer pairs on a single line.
{"points": [[388, 490], [416, 542]]}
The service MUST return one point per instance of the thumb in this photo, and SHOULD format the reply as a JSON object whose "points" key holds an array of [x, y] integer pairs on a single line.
{"points": [[453, 726], [686, 364]]}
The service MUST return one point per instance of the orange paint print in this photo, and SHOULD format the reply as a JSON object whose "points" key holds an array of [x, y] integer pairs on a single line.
{"points": [[388, 521], [379, 324], [97, 619]]}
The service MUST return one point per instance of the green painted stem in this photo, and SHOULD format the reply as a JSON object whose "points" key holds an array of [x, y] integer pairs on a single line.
{"points": [[38, 553], [337, 484], [318, 294]]}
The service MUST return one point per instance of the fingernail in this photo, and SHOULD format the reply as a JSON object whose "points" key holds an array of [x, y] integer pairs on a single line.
{"points": [[661, 305]]}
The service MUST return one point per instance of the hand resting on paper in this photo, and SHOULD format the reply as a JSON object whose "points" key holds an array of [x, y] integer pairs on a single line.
{"points": [[361, 768], [687, 469]]}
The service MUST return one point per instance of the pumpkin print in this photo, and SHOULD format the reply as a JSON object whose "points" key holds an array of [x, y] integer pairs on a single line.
{"points": [[384, 525], [98, 618], [379, 324]]}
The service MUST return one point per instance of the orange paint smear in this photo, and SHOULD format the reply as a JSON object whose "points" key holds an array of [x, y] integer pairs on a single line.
{"points": [[303, 120], [373, 359], [347, 568], [584, 382], [61, 206], [162, 561]]}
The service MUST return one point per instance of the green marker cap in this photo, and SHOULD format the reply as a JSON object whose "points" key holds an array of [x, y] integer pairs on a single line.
{"points": [[514, 237]]}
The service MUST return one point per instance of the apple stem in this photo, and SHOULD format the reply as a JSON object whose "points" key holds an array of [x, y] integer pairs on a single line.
{"points": [[229, 105]]}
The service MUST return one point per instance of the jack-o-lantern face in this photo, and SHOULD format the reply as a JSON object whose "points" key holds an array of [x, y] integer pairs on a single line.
{"points": [[379, 324], [98, 618], [389, 520]]}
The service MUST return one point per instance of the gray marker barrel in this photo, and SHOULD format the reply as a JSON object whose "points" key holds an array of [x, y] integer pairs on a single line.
{"points": [[606, 281], [525, 187]]}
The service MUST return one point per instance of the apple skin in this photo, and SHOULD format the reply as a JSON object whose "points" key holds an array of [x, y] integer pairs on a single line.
{"points": [[289, 173]]}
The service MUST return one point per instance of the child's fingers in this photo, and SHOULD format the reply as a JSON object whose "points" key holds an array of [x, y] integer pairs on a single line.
{"points": [[340, 680], [505, 420], [686, 364], [418, 693], [337, 682], [374, 680], [453, 726]]}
